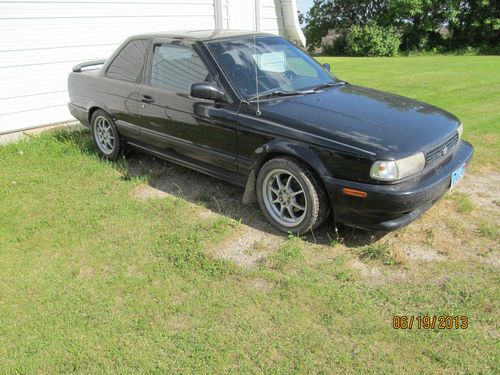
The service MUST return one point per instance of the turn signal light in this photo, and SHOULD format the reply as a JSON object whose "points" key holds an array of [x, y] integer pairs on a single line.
{"points": [[354, 193]]}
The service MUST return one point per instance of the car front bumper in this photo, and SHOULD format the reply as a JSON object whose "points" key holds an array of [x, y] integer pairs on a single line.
{"points": [[389, 207]]}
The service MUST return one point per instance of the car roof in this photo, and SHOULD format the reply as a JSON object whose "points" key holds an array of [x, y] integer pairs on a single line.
{"points": [[201, 35]]}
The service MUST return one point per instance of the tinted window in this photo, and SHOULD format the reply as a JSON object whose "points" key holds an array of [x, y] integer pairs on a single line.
{"points": [[128, 64], [279, 65], [177, 67]]}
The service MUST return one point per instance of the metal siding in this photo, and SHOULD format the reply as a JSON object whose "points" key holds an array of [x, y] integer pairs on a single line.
{"points": [[41, 40], [242, 14], [271, 17]]}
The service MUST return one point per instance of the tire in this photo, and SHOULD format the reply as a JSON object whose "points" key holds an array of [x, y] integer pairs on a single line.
{"points": [[108, 141], [296, 205]]}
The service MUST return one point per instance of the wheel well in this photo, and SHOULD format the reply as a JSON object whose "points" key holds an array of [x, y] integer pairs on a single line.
{"points": [[273, 155], [250, 194], [91, 112], [265, 159]]}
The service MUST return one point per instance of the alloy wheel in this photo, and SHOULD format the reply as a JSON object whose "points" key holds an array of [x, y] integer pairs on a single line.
{"points": [[104, 136], [284, 197]]}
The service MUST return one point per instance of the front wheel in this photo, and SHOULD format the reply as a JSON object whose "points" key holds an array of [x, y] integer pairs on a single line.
{"points": [[106, 136], [290, 196]]}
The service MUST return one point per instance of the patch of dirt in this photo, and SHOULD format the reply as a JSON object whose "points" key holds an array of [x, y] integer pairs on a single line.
{"points": [[133, 271], [86, 272], [261, 284], [247, 246], [489, 138], [377, 275], [483, 192], [144, 192], [492, 259], [422, 253], [205, 214], [178, 323]]}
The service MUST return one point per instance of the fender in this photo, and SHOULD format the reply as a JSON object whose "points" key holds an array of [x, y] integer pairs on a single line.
{"points": [[125, 129], [277, 147], [93, 105]]}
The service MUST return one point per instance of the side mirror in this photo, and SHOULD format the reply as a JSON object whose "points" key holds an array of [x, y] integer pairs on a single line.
{"points": [[327, 67], [206, 90]]}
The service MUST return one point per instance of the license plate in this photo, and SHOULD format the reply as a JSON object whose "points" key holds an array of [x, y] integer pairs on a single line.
{"points": [[457, 176]]}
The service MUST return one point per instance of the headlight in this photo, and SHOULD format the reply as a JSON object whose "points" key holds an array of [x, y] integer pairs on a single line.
{"points": [[460, 131], [397, 169]]}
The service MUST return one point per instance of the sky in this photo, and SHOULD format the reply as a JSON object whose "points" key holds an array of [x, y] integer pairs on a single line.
{"points": [[304, 5]]}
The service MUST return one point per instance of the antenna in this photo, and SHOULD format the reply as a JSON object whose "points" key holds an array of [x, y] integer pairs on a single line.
{"points": [[258, 113]]}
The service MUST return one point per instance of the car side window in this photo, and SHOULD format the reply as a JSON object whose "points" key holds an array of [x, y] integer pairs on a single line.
{"points": [[176, 68], [128, 64]]}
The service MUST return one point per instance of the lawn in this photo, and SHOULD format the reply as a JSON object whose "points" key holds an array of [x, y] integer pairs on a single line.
{"points": [[94, 279]]}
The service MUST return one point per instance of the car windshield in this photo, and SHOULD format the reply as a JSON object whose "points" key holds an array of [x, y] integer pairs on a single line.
{"points": [[280, 67]]}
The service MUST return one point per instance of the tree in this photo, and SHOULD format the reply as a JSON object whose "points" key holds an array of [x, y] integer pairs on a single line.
{"points": [[372, 40], [477, 24], [420, 21], [302, 17], [473, 23], [339, 15]]}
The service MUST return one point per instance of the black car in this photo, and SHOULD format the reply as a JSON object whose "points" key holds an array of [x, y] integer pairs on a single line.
{"points": [[255, 110]]}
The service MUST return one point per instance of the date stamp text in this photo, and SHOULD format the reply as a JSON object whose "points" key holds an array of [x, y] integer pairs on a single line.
{"points": [[430, 322]]}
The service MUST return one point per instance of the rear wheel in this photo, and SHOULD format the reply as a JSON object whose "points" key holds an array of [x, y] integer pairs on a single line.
{"points": [[106, 136], [290, 196]]}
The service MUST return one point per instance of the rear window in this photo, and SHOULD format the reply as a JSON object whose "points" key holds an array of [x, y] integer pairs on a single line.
{"points": [[128, 64]]}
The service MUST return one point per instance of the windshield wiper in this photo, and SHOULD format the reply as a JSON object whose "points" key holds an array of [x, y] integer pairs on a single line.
{"points": [[281, 93], [328, 84]]}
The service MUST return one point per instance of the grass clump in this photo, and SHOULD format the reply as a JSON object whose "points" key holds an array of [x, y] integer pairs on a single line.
{"points": [[430, 236], [464, 204], [489, 230], [184, 249], [290, 252], [377, 251], [345, 275]]}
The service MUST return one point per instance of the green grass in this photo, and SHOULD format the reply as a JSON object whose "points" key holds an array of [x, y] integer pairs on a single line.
{"points": [[376, 251], [463, 202], [489, 230], [467, 86], [94, 280]]}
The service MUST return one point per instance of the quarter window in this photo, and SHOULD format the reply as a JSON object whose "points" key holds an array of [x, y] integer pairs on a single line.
{"points": [[176, 68], [128, 64]]}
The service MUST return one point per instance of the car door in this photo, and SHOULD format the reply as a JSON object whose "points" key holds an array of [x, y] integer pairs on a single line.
{"points": [[120, 92], [198, 131]]}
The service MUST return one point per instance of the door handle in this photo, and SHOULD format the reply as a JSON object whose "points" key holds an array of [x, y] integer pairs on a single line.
{"points": [[147, 99]]}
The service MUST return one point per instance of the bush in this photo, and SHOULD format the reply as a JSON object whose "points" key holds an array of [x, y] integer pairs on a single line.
{"points": [[372, 40], [337, 48]]}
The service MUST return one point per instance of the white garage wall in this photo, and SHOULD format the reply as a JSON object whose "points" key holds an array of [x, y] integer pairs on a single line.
{"points": [[242, 15], [271, 17], [257, 15], [40, 41]]}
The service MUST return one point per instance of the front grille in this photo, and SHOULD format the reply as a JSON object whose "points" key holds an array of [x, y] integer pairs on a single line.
{"points": [[442, 150]]}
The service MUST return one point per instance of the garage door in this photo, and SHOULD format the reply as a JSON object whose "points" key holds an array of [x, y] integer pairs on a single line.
{"points": [[41, 40]]}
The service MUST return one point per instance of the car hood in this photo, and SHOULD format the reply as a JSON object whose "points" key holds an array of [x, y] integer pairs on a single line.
{"points": [[384, 124]]}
